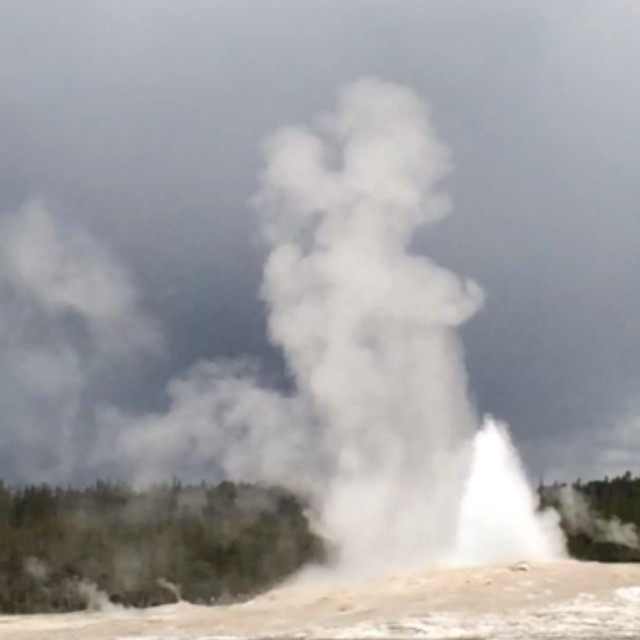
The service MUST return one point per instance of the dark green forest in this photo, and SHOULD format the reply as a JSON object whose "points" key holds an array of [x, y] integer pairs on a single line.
{"points": [[64, 549], [614, 500]]}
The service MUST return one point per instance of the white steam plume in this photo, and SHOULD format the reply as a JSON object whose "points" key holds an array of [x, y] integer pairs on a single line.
{"points": [[581, 517], [379, 429], [367, 328]]}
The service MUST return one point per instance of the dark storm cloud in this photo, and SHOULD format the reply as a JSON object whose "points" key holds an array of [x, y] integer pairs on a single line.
{"points": [[141, 122]]}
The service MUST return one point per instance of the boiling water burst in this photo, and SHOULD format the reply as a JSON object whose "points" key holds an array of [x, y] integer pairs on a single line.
{"points": [[500, 519]]}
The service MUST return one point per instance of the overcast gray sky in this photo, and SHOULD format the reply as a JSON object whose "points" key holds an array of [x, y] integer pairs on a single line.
{"points": [[138, 124]]}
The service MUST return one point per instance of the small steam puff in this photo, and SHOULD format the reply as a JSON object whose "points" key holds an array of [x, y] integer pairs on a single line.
{"points": [[84, 590], [580, 517], [379, 430]]}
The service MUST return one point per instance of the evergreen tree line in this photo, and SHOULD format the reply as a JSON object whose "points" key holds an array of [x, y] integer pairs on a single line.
{"points": [[614, 502], [64, 549]]}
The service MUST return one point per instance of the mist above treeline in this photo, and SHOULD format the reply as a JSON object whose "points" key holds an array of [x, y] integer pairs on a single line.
{"points": [[65, 549]]}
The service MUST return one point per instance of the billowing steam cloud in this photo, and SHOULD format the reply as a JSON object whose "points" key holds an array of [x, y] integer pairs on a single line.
{"points": [[378, 430], [69, 312], [368, 329]]}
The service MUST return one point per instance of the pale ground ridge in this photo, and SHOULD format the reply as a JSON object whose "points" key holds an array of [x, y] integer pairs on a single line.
{"points": [[568, 600]]}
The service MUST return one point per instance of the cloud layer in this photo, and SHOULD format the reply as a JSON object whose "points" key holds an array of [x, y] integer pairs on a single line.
{"points": [[140, 123]]}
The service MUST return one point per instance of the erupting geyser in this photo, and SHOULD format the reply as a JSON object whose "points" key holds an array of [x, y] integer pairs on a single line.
{"points": [[379, 431], [369, 331], [499, 517]]}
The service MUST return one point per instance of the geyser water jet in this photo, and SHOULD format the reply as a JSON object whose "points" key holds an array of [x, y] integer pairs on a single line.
{"points": [[500, 519]]}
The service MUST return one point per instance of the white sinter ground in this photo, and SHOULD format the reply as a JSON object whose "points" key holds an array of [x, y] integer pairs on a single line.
{"points": [[565, 600]]}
